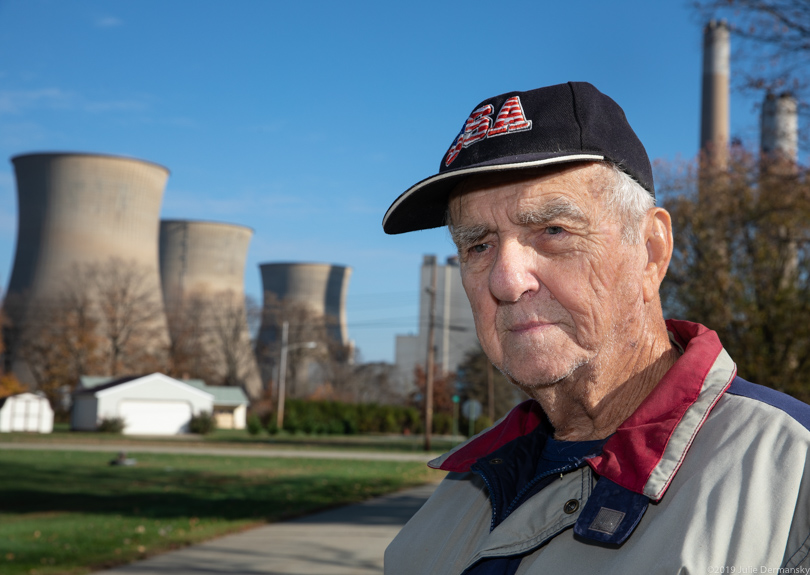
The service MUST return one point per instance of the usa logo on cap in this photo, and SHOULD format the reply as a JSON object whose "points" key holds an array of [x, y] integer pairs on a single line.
{"points": [[479, 126]]}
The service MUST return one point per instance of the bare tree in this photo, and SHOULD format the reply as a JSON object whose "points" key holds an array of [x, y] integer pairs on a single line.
{"points": [[376, 383], [740, 266], [305, 326], [105, 319], [58, 339], [132, 322], [473, 383], [188, 357], [228, 324]]}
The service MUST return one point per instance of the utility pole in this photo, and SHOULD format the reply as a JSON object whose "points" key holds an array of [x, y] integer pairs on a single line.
{"points": [[282, 369], [430, 357], [282, 373]]}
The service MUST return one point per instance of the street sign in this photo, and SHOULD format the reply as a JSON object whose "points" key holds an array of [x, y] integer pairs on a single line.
{"points": [[471, 409]]}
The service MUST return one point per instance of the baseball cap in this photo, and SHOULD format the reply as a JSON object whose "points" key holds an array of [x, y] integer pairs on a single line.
{"points": [[571, 122]]}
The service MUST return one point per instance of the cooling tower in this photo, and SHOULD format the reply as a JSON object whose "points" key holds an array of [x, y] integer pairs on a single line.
{"points": [[321, 287], [78, 209], [83, 208], [714, 120], [779, 135], [205, 261]]}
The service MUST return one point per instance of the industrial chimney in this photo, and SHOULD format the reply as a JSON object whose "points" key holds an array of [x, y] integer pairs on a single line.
{"points": [[779, 134], [714, 121]]}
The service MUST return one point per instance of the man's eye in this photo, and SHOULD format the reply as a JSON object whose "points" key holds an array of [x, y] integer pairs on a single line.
{"points": [[480, 248], [554, 230]]}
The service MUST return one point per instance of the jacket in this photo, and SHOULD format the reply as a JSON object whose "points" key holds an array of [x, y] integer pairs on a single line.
{"points": [[709, 475]]}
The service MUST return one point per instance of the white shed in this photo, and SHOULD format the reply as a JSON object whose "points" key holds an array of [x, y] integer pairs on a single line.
{"points": [[149, 405], [26, 412]]}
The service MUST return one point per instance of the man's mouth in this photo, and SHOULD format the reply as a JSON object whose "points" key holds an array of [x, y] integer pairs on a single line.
{"points": [[530, 326]]}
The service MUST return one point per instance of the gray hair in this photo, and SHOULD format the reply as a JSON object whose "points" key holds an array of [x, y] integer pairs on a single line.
{"points": [[628, 201]]}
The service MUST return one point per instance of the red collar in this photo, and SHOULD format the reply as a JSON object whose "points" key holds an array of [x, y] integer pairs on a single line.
{"points": [[647, 449]]}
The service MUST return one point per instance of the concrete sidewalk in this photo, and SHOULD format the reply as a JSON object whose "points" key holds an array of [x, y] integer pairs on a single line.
{"points": [[345, 541], [112, 447]]}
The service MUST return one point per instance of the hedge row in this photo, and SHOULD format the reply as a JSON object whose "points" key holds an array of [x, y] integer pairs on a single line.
{"points": [[337, 418]]}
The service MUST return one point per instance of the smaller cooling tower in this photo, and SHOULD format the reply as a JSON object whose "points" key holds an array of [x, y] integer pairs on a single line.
{"points": [[779, 134], [714, 118], [202, 257], [322, 287], [205, 261]]}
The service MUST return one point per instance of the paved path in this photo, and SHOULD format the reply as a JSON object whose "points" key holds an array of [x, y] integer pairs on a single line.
{"points": [[228, 451], [345, 541]]}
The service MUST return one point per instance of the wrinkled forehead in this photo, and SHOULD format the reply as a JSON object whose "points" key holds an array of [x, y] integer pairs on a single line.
{"points": [[586, 179]]}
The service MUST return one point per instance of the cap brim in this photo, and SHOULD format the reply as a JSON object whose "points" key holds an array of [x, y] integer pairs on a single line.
{"points": [[423, 205]]}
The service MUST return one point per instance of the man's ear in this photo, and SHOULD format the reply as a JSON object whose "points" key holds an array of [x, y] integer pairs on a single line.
{"points": [[657, 231]]}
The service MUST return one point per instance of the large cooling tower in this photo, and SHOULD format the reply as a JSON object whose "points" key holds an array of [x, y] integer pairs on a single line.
{"points": [[79, 209], [83, 208], [779, 134], [322, 287], [206, 261], [714, 120]]}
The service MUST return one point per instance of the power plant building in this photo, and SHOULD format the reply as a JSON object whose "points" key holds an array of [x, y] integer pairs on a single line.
{"points": [[202, 264], [454, 327], [77, 210]]}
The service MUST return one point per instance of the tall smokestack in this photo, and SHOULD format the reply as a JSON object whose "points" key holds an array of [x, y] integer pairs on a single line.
{"points": [[779, 135], [714, 121]]}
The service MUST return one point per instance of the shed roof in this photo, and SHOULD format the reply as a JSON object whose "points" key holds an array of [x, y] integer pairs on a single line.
{"points": [[223, 395], [102, 387]]}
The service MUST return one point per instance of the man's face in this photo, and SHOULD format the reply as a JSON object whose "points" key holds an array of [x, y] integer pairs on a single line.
{"points": [[553, 289]]}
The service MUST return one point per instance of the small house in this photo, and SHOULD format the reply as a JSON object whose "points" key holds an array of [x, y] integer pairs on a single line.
{"points": [[153, 404]]}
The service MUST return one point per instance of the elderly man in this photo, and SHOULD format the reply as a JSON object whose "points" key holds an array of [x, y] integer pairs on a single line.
{"points": [[641, 451]]}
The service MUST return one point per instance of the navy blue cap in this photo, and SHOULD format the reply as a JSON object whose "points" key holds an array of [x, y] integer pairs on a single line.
{"points": [[571, 122]]}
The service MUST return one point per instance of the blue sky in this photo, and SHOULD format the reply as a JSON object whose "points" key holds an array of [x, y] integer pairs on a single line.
{"points": [[304, 120]]}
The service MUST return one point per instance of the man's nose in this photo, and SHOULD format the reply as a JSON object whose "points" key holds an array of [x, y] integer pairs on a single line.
{"points": [[513, 273]]}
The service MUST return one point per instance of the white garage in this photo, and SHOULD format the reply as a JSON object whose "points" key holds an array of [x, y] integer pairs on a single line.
{"points": [[149, 405], [26, 412]]}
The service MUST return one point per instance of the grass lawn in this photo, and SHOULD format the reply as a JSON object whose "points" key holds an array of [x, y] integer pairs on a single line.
{"points": [[71, 512]]}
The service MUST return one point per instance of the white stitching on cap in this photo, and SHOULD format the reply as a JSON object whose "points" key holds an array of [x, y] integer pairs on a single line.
{"points": [[480, 169]]}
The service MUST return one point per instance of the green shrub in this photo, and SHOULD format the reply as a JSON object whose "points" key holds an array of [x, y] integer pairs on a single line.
{"points": [[272, 426], [338, 418], [202, 423], [254, 424], [480, 425], [111, 425], [442, 423]]}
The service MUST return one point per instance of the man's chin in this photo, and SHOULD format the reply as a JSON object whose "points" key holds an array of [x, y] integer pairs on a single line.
{"points": [[523, 375]]}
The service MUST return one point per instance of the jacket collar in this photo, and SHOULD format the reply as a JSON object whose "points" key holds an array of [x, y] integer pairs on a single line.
{"points": [[647, 449]]}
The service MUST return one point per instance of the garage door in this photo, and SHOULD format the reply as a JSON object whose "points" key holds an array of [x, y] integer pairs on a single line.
{"points": [[155, 417]]}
